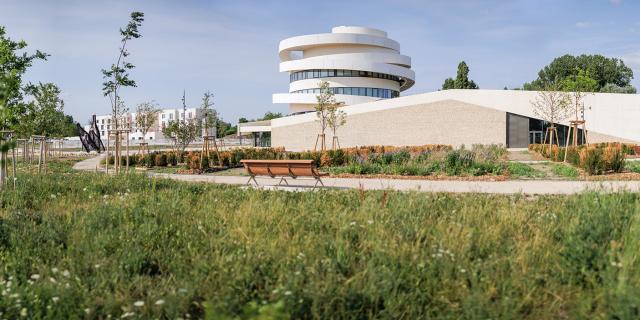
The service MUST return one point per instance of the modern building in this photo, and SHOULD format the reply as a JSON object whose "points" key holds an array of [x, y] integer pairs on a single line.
{"points": [[360, 64], [165, 116], [367, 72]]}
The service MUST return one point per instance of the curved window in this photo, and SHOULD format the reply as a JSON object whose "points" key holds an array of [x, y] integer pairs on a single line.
{"points": [[328, 73], [355, 91]]}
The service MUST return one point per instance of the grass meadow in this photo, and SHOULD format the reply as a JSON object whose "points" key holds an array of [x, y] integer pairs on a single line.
{"points": [[84, 245]]}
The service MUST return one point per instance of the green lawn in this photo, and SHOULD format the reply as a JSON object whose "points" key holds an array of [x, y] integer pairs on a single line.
{"points": [[518, 170], [84, 245]]}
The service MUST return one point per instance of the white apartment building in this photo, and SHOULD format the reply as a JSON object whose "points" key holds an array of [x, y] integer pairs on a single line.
{"points": [[165, 116]]}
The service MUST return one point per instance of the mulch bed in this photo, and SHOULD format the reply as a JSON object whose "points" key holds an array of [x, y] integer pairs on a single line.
{"points": [[431, 177]]}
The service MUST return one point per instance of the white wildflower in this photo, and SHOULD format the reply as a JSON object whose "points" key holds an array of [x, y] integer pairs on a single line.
{"points": [[84, 189], [87, 310], [53, 196], [23, 312], [182, 290], [35, 276], [54, 270], [370, 221], [287, 293], [139, 303], [159, 302], [127, 314], [66, 273], [353, 223], [52, 280], [55, 299]]}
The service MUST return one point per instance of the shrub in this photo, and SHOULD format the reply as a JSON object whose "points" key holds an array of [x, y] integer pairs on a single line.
{"points": [[172, 159], [149, 160], [194, 161], [591, 160], [161, 160]]}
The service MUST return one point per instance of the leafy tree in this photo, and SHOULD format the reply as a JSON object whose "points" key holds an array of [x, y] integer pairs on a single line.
{"points": [[243, 120], [182, 132], [271, 115], [13, 65], [607, 72], [612, 88], [209, 114], [44, 115], [117, 76], [146, 117], [461, 81], [578, 86]]}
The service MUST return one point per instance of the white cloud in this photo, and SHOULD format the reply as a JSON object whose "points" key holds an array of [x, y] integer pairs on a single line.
{"points": [[582, 24]]}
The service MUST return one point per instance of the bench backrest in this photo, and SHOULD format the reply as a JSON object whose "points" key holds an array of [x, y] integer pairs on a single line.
{"points": [[291, 168]]}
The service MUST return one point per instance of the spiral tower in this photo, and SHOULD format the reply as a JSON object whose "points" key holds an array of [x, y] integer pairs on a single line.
{"points": [[361, 65]]}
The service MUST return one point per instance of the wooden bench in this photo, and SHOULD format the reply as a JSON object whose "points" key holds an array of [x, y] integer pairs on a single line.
{"points": [[282, 169]]}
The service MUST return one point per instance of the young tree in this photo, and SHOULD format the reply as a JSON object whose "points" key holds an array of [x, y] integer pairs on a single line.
{"points": [[336, 119], [209, 115], [552, 106], [182, 132], [117, 76], [326, 108], [461, 81], [146, 117]]}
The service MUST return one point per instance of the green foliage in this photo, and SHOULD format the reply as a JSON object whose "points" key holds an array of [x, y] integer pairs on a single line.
{"points": [[70, 240], [520, 170], [461, 81], [565, 171], [13, 65], [595, 159], [44, 115], [117, 76], [607, 72], [160, 160]]}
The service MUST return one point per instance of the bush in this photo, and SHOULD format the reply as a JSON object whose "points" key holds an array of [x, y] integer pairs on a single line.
{"points": [[595, 159], [172, 159], [161, 160]]}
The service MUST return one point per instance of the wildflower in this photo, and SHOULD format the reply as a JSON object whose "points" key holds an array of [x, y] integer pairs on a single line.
{"points": [[97, 266], [139, 303], [287, 293], [353, 223], [84, 189], [370, 221], [35, 276], [105, 196], [54, 270], [53, 196], [127, 314], [182, 290], [87, 310], [463, 270], [55, 299], [159, 302], [23, 312], [52, 280], [66, 273]]}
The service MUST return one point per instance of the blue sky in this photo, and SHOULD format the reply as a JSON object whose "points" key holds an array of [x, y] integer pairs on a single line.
{"points": [[230, 47]]}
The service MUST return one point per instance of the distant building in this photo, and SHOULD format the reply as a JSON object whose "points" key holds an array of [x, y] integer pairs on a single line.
{"points": [[165, 116]]}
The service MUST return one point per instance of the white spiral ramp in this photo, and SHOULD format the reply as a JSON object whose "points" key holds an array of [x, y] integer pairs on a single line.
{"points": [[361, 65]]}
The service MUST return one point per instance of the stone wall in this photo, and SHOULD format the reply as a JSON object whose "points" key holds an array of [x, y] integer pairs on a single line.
{"points": [[443, 122]]}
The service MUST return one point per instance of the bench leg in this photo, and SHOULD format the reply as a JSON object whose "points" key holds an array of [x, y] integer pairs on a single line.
{"points": [[254, 180], [281, 180], [318, 180]]}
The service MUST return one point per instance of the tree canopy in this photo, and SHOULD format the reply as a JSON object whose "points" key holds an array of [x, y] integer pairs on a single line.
{"points": [[610, 74], [461, 81]]}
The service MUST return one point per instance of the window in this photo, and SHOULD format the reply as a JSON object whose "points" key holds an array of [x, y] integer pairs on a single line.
{"points": [[369, 92], [340, 73], [347, 91], [316, 73], [171, 116], [375, 92], [340, 90], [347, 73], [324, 74], [163, 116], [190, 115]]}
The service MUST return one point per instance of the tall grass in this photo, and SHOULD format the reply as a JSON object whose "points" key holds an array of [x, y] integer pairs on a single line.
{"points": [[80, 245]]}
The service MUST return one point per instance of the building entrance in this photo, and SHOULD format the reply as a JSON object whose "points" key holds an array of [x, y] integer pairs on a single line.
{"points": [[535, 137]]}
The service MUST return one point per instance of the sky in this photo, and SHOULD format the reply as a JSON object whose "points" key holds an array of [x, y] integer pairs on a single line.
{"points": [[230, 47]]}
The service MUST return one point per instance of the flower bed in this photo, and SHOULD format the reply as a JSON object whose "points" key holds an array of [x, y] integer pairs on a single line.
{"points": [[595, 159], [370, 160]]}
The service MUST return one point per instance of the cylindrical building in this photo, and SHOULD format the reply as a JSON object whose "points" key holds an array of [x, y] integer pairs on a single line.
{"points": [[360, 64]]}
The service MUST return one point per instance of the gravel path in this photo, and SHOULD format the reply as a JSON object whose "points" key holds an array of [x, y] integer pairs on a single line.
{"points": [[497, 187]]}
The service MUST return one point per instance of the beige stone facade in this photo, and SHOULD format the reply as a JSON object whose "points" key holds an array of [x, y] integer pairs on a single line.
{"points": [[443, 122]]}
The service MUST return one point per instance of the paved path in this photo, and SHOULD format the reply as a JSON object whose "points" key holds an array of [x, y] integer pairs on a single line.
{"points": [[497, 187], [89, 164]]}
